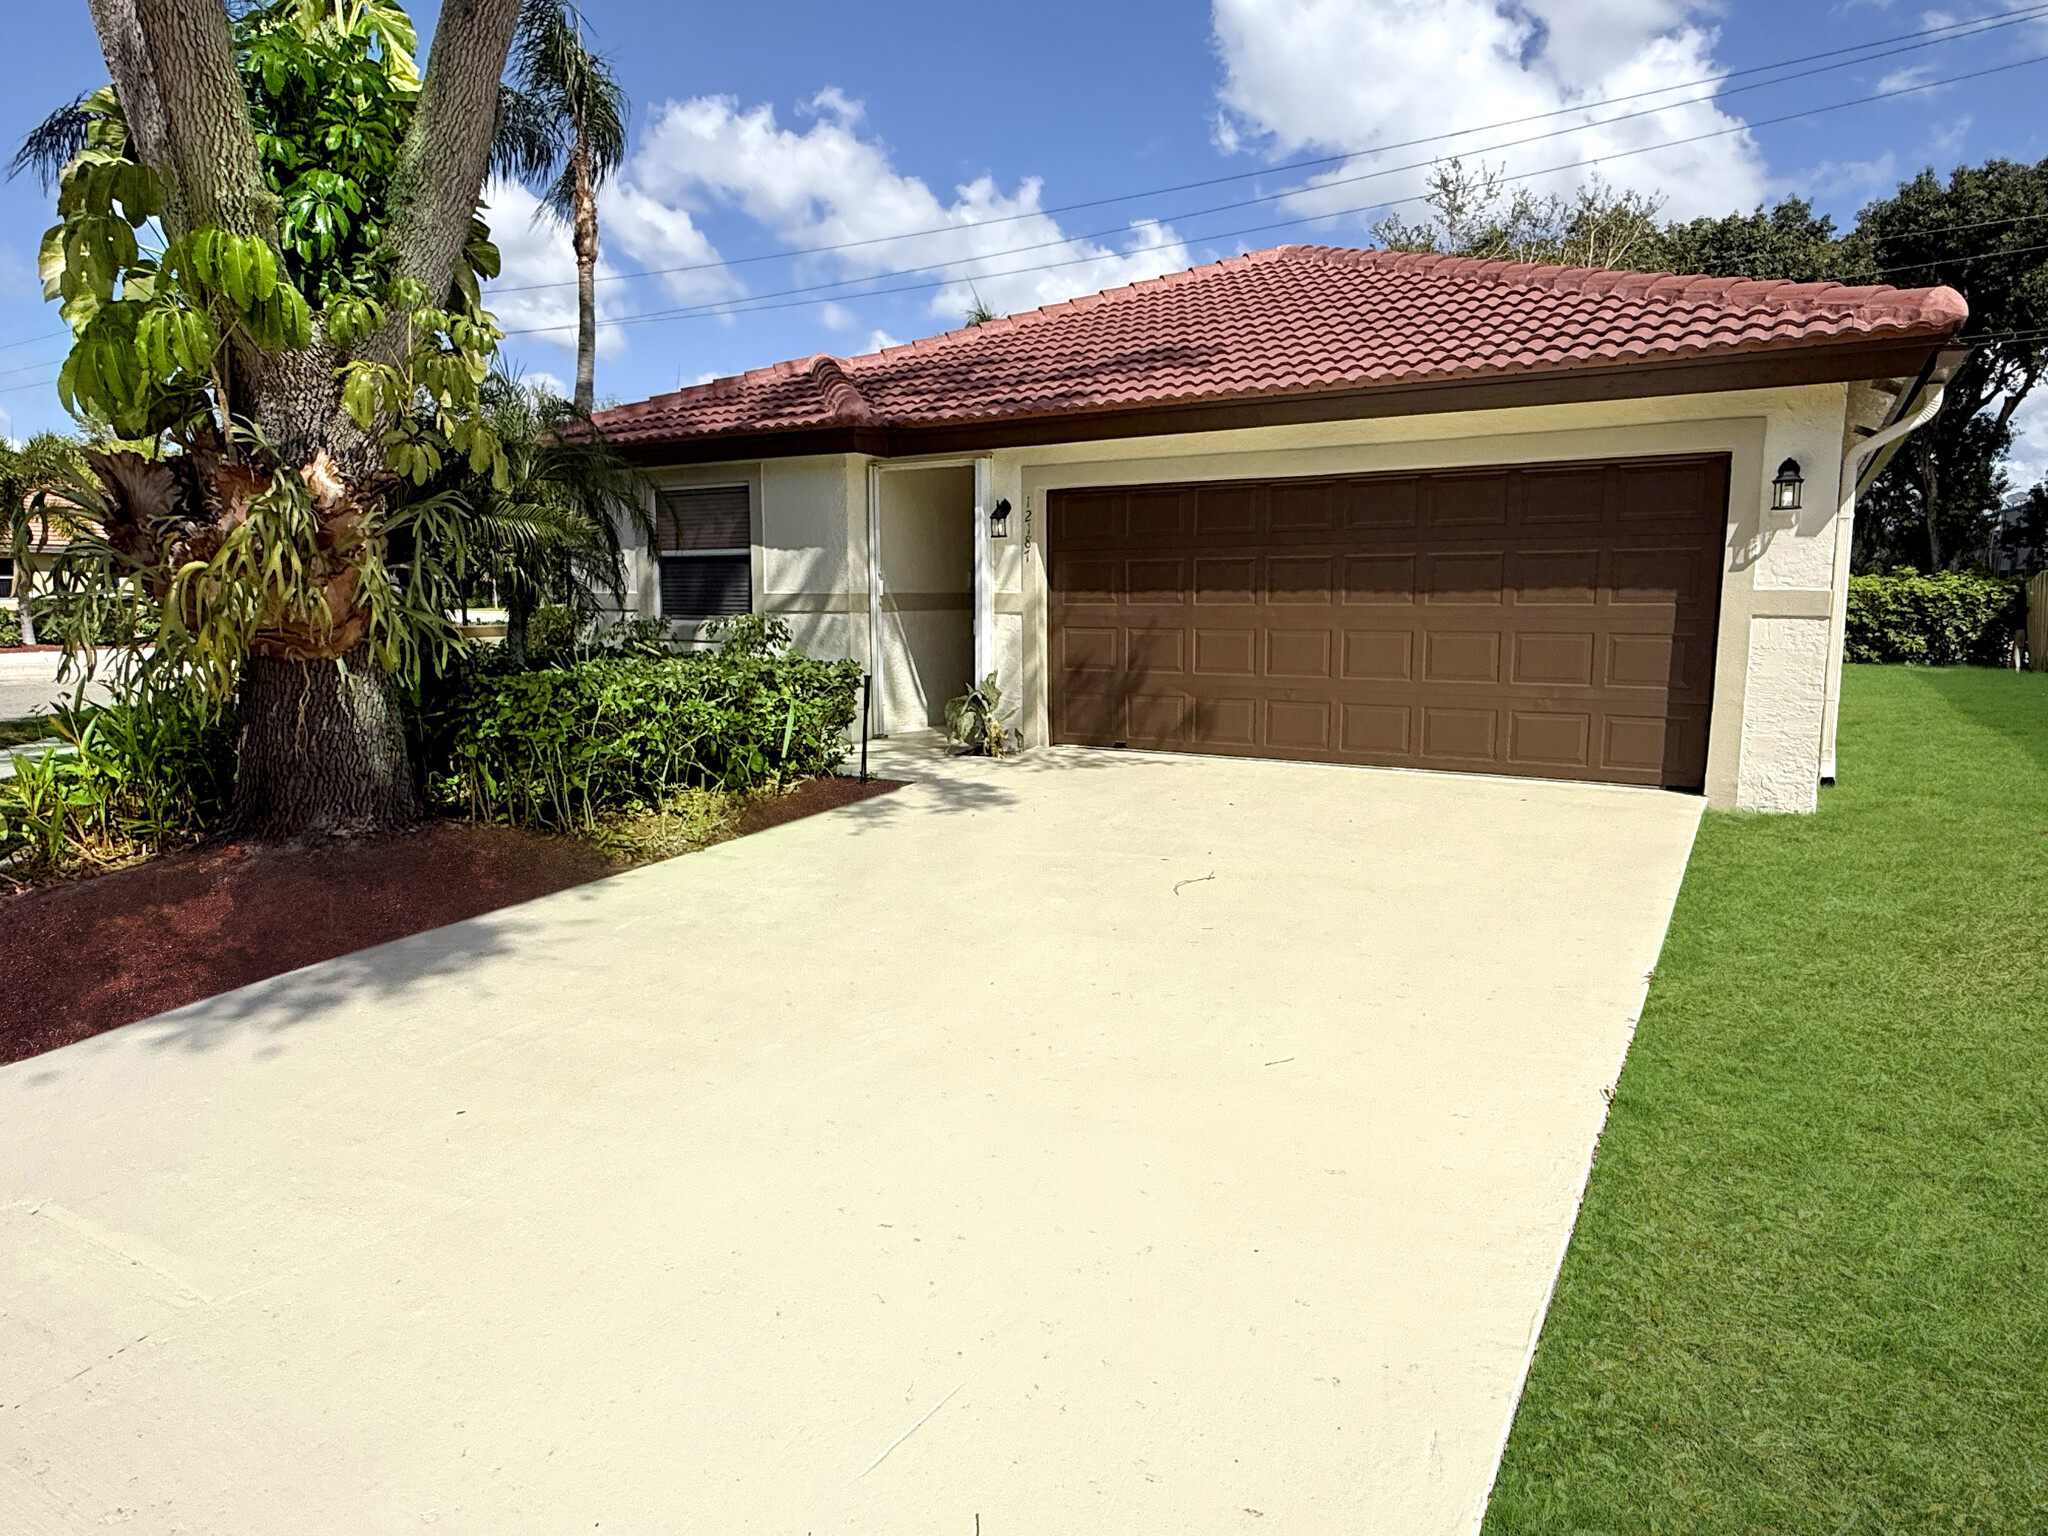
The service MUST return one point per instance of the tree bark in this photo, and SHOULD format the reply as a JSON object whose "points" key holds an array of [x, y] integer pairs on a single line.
{"points": [[321, 751], [447, 147], [128, 66], [1930, 507], [210, 140], [586, 279]]}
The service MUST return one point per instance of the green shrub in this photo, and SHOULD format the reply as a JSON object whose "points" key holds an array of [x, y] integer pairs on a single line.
{"points": [[10, 625], [561, 746], [1940, 621], [552, 628], [148, 771]]}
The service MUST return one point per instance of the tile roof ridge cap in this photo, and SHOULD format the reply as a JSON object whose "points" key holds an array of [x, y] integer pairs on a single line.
{"points": [[842, 397]]}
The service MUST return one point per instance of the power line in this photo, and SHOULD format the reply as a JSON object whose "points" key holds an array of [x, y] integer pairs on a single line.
{"points": [[1960, 31], [742, 306]]}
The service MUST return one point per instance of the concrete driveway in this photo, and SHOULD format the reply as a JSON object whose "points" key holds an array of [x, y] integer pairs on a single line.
{"points": [[1089, 1142]]}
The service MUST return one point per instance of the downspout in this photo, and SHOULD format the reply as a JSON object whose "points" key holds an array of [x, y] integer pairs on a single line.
{"points": [[1855, 463]]}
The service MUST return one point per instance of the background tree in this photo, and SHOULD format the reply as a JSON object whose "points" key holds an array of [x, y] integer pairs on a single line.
{"points": [[564, 135], [1472, 213], [28, 475], [1985, 233], [1788, 242], [255, 375]]}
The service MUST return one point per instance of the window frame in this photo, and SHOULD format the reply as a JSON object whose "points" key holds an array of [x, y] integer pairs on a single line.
{"points": [[746, 484]]}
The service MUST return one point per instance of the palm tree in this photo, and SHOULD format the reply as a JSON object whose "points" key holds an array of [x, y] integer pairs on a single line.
{"points": [[551, 532], [562, 131]]}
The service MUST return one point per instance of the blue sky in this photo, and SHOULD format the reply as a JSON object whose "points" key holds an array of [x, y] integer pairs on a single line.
{"points": [[912, 134]]}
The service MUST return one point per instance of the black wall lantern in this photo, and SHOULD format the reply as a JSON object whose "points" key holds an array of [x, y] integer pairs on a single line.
{"points": [[1785, 487], [999, 519]]}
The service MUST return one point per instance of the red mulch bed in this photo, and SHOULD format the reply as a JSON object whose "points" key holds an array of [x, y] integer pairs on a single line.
{"points": [[84, 956]]}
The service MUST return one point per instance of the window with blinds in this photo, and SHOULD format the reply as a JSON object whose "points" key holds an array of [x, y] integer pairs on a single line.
{"points": [[706, 558]]}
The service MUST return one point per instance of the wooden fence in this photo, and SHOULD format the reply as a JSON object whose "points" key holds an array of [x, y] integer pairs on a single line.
{"points": [[2037, 623]]}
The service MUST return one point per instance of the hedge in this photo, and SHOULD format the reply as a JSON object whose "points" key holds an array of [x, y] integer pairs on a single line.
{"points": [[1939, 621], [558, 746]]}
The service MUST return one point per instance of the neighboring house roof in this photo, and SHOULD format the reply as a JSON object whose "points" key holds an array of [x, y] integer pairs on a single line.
{"points": [[46, 536], [1298, 323]]}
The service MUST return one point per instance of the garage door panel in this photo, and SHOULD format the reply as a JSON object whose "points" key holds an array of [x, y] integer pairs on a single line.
{"points": [[1084, 517], [1556, 660], [1295, 579], [1088, 581], [1555, 578], [1454, 656], [1466, 579], [1468, 501], [1661, 493], [1225, 510], [1636, 743], [1227, 724], [1380, 581], [1664, 576], [1303, 653], [1550, 740], [1461, 736], [1158, 652], [1379, 731], [1563, 496], [1644, 661], [1090, 649], [1157, 719], [1232, 582], [1554, 620], [1382, 656], [1160, 515], [1226, 652], [1380, 505], [1308, 507], [1298, 725]]}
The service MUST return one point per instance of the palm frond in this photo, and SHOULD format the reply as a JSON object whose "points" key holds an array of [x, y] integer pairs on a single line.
{"points": [[528, 143], [53, 143]]}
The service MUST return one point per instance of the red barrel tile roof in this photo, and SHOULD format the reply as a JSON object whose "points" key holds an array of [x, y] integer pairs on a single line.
{"points": [[1293, 320]]}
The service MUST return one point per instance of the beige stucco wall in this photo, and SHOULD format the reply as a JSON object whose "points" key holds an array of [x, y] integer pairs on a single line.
{"points": [[1784, 580]]}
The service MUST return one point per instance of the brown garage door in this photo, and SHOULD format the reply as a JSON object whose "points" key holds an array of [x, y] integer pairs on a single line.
{"points": [[1555, 620]]}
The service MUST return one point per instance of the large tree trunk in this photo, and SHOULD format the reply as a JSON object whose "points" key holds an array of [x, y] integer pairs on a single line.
{"points": [[322, 750], [128, 66], [1930, 508], [586, 280]]}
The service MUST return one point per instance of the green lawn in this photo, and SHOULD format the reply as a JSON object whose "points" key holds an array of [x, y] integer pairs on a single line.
{"points": [[1809, 1289]]}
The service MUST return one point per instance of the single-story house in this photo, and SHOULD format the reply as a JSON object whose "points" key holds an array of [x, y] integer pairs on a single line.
{"points": [[1339, 505]]}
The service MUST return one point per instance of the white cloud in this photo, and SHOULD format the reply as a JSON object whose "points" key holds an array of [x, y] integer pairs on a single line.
{"points": [[878, 340], [7, 423], [837, 317], [540, 378], [1905, 79], [828, 186], [2028, 463], [536, 285], [1348, 75]]}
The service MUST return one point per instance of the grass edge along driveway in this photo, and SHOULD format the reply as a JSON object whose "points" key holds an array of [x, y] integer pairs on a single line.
{"points": [[1808, 1291]]}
